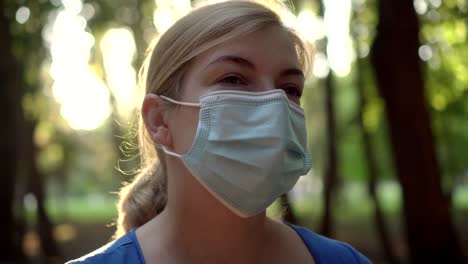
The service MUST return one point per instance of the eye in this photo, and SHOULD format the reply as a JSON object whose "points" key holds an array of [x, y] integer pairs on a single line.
{"points": [[292, 91], [232, 79]]}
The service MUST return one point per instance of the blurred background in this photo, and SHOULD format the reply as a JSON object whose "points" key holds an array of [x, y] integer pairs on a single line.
{"points": [[386, 109]]}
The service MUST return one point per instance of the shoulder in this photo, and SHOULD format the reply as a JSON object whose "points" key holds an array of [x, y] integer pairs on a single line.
{"points": [[122, 250], [326, 250]]}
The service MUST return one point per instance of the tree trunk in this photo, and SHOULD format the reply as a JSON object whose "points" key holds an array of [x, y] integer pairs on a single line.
{"points": [[331, 172], [17, 157], [37, 187], [448, 183], [369, 154], [430, 232], [10, 240], [331, 176]]}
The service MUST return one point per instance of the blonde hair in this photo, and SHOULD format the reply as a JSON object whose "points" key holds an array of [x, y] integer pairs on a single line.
{"points": [[162, 72]]}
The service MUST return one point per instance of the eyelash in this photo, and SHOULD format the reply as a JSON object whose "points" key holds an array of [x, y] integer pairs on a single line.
{"points": [[230, 76], [291, 90]]}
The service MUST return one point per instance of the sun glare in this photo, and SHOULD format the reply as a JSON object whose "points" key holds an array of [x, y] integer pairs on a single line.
{"points": [[167, 12], [83, 97], [310, 26], [84, 100], [119, 50], [339, 48], [335, 26]]}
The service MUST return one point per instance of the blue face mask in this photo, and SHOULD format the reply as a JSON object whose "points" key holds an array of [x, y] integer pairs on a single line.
{"points": [[249, 148]]}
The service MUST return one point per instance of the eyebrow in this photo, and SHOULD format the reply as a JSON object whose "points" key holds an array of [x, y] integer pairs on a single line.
{"points": [[233, 59], [293, 71], [243, 62]]}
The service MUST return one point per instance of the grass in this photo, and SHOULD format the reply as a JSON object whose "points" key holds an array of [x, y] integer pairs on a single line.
{"points": [[352, 203], [88, 209]]}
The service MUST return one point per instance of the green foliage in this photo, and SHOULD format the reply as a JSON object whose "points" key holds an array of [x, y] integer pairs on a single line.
{"points": [[444, 30]]}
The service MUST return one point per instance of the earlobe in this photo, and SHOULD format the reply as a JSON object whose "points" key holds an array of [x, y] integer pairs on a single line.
{"points": [[154, 112]]}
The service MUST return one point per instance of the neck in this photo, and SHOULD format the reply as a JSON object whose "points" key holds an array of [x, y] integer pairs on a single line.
{"points": [[196, 226], [200, 229]]}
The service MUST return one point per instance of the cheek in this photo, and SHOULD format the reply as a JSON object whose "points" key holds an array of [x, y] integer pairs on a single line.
{"points": [[184, 123]]}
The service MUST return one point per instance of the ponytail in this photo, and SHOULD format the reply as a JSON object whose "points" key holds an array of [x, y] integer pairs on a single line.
{"points": [[141, 200]]}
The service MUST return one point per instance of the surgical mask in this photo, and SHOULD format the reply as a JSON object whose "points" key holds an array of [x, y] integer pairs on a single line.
{"points": [[249, 147]]}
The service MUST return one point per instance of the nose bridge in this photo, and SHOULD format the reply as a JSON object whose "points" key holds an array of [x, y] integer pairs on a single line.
{"points": [[266, 83]]}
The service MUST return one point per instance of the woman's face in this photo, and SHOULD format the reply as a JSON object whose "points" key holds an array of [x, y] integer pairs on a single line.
{"points": [[260, 61]]}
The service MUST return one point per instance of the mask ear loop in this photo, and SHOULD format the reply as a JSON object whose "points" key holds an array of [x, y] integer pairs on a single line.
{"points": [[179, 103], [170, 152]]}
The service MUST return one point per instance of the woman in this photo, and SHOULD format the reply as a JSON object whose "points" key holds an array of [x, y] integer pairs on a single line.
{"points": [[222, 136]]}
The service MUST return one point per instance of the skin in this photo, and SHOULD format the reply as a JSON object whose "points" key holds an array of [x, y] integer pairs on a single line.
{"points": [[195, 227]]}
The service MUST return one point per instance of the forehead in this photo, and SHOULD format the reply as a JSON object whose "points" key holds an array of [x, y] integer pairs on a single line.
{"points": [[269, 48]]}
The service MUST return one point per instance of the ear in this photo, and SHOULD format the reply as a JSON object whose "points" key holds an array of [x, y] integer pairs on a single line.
{"points": [[154, 113]]}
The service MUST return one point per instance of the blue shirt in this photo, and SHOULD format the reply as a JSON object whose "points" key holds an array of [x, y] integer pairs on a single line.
{"points": [[324, 250]]}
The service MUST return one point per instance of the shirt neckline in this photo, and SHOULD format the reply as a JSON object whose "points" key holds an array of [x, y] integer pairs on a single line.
{"points": [[134, 238]]}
